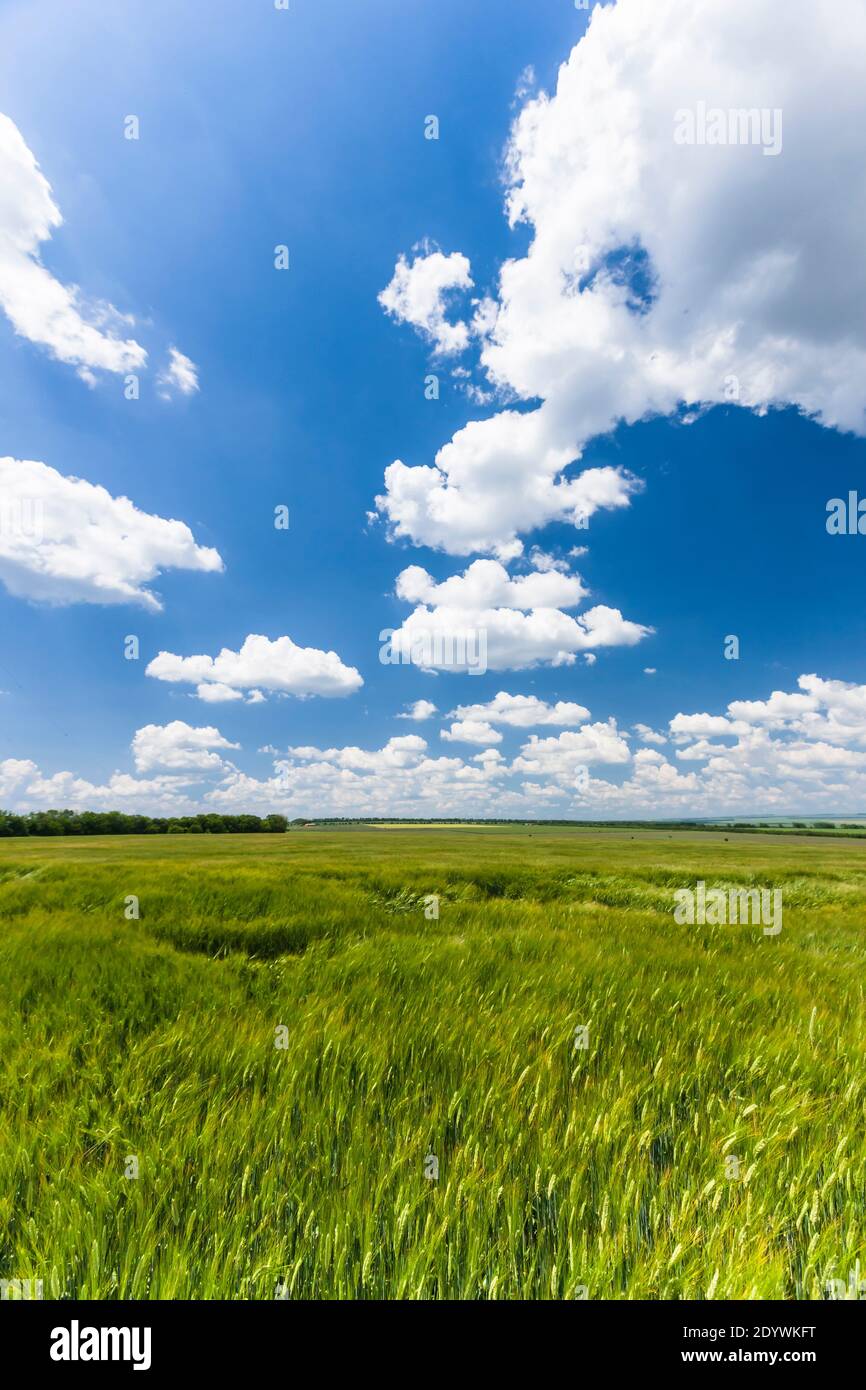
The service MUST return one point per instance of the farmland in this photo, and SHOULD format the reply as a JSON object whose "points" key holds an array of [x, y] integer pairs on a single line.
{"points": [[230, 1061]]}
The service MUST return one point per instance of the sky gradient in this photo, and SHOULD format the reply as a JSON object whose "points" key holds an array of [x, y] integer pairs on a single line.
{"points": [[667, 337]]}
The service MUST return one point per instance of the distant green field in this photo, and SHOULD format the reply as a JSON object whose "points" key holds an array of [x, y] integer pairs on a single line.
{"points": [[708, 1142]]}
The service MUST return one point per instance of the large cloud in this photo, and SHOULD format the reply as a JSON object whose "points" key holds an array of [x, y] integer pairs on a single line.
{"points": [[277, 666], [178, 745], [663, 273], [91, 336], [493, 479], [39, 306], [486, 619], [64, 540]]}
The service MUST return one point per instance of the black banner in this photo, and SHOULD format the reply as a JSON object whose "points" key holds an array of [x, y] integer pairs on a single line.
{"points": [[83, 1339]]}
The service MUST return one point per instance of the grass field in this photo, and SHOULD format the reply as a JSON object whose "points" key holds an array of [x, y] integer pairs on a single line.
{"points": [[709, 1141]]}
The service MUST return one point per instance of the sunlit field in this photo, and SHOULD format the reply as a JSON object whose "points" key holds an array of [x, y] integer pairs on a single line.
{"points": [[287, 1044]]}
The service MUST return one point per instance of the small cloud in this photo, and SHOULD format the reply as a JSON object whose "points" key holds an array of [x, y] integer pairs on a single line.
{"points": [[181, 375], [471, 731], [526, 84], [648, 735], [477, 394], [421, 709], [217, 694], [540, 560], [418, 294]]}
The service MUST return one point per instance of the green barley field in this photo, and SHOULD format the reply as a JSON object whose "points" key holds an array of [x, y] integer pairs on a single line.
{"points": [[285, 1044]]}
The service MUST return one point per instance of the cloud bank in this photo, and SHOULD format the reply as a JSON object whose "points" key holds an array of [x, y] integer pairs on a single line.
{"points": [[796, 752]]}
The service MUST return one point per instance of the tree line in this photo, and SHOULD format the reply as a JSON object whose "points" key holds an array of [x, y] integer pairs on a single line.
{"points": [[215, 823], [117, 823]]}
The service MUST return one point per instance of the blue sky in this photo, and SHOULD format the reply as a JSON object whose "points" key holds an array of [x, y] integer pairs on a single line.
{"points": [[261, 128]]}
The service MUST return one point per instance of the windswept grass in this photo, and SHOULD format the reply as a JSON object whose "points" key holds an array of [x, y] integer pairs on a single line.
{"points": [[561, 1169]]}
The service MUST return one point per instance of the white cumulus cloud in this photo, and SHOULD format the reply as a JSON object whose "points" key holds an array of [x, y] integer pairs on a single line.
{"points": [[516, 622], [178, 745], [525, 711], [471, 731], [419, 710], [181, 374], [37, 305], [64, 540], [418, 295], [278, 667], [661, 273]]}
